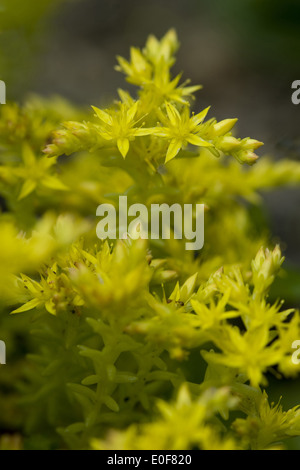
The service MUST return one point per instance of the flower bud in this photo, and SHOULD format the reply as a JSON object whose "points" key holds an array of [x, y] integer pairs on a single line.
{"points": [[222, 127], [228, 143], [252, 144], [248, 157]]}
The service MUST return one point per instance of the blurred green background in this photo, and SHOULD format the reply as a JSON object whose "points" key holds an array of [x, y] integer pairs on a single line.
{"points": [[245, 54]]}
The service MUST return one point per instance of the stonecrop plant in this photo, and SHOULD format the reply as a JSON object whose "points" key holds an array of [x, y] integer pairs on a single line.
{"points": [[139, 344]]}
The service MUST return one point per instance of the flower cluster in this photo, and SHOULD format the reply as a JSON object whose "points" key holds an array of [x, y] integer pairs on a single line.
{"points": [[136, 344], [161, 110]]}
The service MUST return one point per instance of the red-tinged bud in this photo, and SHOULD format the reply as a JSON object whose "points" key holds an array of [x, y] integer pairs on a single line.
{"points": [[249, 157], [252, 144], [50, 150]]}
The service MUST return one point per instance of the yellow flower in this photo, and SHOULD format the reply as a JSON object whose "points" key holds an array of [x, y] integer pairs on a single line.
{"points": [[150, 69], [163, 50], [249, 353], [120, 125], [35, 172], [269, 425], [181, 129], [138, 70], [187, 423]]}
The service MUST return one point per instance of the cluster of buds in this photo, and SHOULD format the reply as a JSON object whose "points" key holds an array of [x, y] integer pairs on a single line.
{"points": [[74, 137], [265, 266], [241, 149]]}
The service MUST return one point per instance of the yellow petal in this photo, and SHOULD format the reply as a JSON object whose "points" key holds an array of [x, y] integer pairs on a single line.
{"points": [[53, 183], [188, 90], [173, 114], [196, 140], [173, 149], [124, 65], [125, 97], [132, 112], [198, 118], [27, 188], [123, 146], [144, 131], [50, 307], [105, 117], [137, 59], [188, 288], [28, 306], [175, 295]]}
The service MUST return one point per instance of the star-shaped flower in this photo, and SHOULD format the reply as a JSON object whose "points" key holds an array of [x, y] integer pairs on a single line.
{"points": [[120, 125], [181, 129], [36, 172]]}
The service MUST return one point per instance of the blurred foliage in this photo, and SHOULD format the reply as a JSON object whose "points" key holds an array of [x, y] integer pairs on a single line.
{"points": [[21, 26]]}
